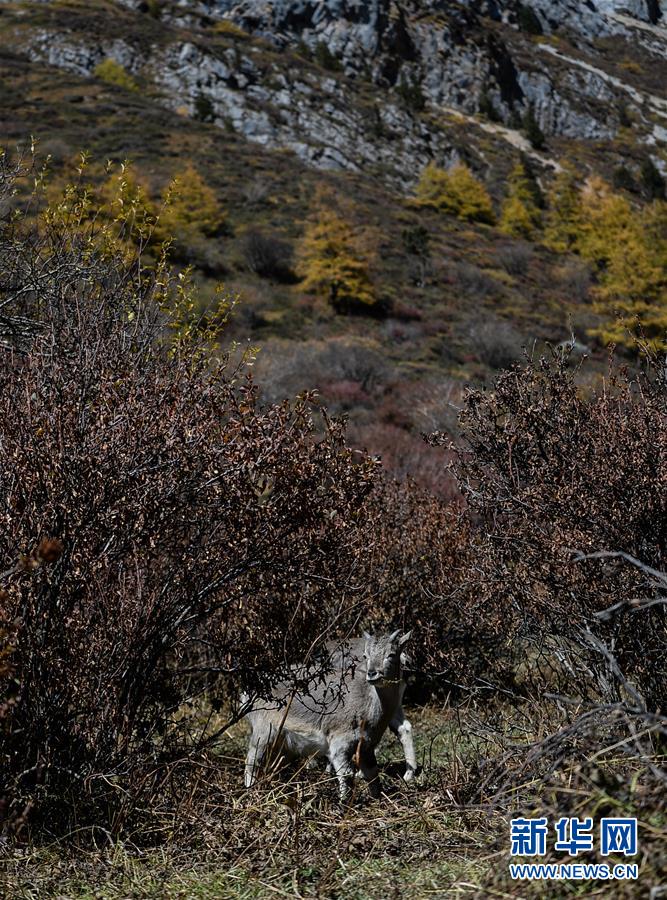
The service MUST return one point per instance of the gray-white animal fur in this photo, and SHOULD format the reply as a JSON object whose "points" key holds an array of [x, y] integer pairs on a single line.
{"points": [[341, 718]]}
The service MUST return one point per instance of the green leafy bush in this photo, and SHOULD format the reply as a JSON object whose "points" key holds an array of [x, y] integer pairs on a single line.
{"points": [[410, 91], [532, 129], [113, 73]]}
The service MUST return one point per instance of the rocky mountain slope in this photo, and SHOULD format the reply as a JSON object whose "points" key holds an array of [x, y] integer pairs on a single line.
{"points": [[376, 86]]}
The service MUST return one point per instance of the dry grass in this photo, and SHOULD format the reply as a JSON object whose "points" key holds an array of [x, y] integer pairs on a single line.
{"points": [[290, 837], [287, 837]]}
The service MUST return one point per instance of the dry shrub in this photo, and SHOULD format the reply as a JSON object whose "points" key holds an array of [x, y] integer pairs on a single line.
{"points": [[496, 342], [594, 762], [268, 256], [415, 571], [405, 455], [576, 279], [552, 476], [201, 252], [405, 313], [341, 396], [433, 403], [400, 332], [515, 258], [474, 282], [287, 368], [256, 191], [255, 301], [193, 523]]}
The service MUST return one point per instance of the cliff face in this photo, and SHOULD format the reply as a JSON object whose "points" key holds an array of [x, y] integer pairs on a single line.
{"points": [[372, 85], [375, 19], [469, 54]]}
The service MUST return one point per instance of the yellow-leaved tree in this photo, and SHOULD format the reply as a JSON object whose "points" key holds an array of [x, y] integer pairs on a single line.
{"points": [[191, 207], [332, 263], [605, 219], [521, 215], [628, 247], [562, 227], [112, 72], [187, 218], [455, 191]]}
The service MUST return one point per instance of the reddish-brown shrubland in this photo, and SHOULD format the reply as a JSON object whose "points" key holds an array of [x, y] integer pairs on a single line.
{"points": [[168, 539], [552, 476], [197, 532], [416, 569]]}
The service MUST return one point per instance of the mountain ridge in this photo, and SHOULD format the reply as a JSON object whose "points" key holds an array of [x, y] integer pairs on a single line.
{"points": [[352, 85]]}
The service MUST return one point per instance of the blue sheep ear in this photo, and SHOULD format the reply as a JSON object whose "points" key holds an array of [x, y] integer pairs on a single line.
{"points": [[367, 637], [406, 637]]}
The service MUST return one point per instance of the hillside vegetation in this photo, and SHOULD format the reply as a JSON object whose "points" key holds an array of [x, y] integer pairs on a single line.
{"points": [[162, 526], [316, 319]]}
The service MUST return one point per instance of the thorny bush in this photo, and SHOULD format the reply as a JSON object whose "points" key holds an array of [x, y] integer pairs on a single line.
{"points": [[417, 573], [560, 484], [194, 530]]}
